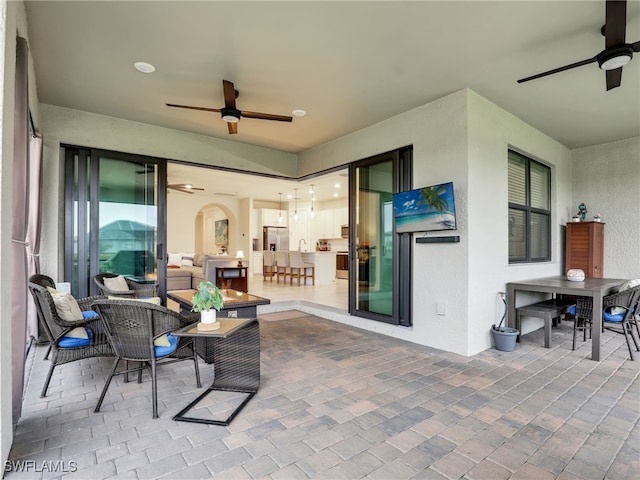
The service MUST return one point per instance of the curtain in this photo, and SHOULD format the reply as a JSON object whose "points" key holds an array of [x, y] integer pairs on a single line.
{"points": [[34, 222], [19, 226]]}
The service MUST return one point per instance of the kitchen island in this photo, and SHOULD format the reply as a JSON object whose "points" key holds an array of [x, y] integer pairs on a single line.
{"points": [[325, 265]]}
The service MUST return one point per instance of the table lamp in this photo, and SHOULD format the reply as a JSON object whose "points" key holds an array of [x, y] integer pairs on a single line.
{"points": [[239, 256]]}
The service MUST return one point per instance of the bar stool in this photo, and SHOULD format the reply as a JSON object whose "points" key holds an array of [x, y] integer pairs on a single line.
{"points": [[282, 265], [268, 265], [301, 269]]}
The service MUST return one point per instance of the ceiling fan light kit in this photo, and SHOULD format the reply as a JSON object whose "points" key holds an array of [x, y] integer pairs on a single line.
{"points": [[615, 58], [184, 188], [616, 54], [230, 114]]}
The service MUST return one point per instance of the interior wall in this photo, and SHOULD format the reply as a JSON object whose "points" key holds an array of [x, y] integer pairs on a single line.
{"points": [[191, 220], [606, 178]]}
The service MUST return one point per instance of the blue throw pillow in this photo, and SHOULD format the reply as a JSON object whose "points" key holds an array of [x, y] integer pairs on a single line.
{"points": [[87, 314], [613, 317], [164, 351]]}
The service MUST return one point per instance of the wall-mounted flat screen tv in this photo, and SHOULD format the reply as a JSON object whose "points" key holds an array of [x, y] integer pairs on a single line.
{"points": [[425, 209]]}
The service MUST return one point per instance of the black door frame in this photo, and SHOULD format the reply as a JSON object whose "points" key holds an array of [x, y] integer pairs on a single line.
{"points": [[402, 160], [88, 171]]}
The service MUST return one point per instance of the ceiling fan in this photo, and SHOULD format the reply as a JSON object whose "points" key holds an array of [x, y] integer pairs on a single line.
{"points": [[183, 187], [616, 53], [230, 113]]}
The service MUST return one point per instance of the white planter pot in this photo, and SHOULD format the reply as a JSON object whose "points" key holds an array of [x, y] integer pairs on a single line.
{"points": [[208, 316]]}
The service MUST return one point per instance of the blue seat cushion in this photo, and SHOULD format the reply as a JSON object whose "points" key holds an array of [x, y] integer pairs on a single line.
{"points": [[87, 314], [612, 317], [164, 351], [572, 310], [72, 342]]}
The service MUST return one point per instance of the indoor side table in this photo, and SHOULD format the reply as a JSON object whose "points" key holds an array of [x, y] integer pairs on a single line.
{"points": [[236, 350]]}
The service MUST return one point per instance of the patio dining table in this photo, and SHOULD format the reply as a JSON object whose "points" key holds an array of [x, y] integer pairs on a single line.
{"points": [[596, 288]]}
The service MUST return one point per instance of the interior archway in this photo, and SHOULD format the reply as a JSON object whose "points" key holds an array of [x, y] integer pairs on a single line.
{"points": [[207, 238]]}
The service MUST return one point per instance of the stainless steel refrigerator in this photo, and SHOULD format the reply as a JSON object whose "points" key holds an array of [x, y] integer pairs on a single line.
{"points": [[275, 238]]}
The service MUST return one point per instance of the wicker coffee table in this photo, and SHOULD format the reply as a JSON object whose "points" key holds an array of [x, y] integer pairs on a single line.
{"points": [[236, 305]]}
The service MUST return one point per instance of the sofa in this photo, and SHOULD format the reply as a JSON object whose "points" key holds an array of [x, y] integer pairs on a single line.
{"points": [[186, 270]]}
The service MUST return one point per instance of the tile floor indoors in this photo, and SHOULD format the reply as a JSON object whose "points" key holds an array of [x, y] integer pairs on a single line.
{"points": [[341, 403], [335, 294]]}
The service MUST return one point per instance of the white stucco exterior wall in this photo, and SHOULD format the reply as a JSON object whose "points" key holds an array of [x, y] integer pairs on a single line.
{"points": [[13, 22], [492, 131], [7, 51], [462, 138], [73, 127], [607, 179]]}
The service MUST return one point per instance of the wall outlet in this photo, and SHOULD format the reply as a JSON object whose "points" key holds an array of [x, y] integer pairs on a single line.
{"points": [[441, 307]]}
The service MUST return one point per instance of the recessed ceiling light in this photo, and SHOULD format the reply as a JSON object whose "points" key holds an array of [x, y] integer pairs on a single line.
{"points": [[144, 67], [298, 112]]}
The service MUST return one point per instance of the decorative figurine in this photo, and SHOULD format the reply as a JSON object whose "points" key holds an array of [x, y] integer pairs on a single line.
{"points": [[582, 211]]}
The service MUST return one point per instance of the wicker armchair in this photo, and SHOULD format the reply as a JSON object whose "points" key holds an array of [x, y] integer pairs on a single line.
{"points": [[56, 328], [132, 326], [618, 314], [136, 290]]}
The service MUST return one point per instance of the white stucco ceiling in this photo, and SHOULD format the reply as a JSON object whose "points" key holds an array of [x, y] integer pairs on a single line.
{"points": [[348, 64]]}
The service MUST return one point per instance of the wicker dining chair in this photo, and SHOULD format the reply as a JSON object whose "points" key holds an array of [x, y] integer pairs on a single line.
{"points": [[135, 289], [618, 314], [132, 327], [64, 348]]}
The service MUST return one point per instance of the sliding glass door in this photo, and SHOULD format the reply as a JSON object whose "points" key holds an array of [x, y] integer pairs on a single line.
{"points": [[380, 260], [114, 218]]}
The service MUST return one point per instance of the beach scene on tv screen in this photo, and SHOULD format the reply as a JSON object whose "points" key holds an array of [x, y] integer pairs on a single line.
{"points": [[425, 209]]}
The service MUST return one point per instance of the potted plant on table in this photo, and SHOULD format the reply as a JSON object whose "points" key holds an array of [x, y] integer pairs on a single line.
{"points": [[207, 300]]}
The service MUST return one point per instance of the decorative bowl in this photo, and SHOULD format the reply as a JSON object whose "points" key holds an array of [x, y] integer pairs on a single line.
{"points": [[575, 275]]}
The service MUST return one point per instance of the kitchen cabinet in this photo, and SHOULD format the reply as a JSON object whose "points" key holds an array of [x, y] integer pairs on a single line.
{"points": [[585, 248], [270, 217], [299, 230], [325, 266], [328, 223], [256, 263]]}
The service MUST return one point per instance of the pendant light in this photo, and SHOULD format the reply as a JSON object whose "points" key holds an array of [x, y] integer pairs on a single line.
{"points": [[312, 213], [280, 209], [295, 200]]}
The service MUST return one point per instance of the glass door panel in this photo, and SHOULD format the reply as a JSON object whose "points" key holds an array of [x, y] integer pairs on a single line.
{"points": [[114, 218], [379, 258], [375, 270], [128, 219]]}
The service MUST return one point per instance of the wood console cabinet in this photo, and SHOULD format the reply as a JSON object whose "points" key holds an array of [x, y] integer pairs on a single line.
{"points": [[585, 248], [232, 277]]}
